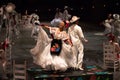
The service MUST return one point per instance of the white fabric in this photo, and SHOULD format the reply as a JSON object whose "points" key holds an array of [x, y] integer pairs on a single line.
{"points": [[58, 35], [35, 32], [76, 34], [42, 56], [108, 27]]}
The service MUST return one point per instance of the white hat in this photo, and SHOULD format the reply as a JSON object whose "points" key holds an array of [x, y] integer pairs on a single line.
{"points": [[74, 18], [116, 16]]}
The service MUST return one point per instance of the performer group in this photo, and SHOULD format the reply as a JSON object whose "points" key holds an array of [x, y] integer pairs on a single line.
{"points": [[63, 47]]}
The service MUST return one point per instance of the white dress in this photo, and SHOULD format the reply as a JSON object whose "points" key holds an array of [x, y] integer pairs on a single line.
{"points": [[42, 55]]}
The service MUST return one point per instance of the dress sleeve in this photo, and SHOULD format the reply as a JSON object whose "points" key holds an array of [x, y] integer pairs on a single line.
{"points": [[52, 30], [65, 35], [61, 35]]}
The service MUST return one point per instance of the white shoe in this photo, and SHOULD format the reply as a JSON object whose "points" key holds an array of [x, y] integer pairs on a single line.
{"points": [[81, 69]]}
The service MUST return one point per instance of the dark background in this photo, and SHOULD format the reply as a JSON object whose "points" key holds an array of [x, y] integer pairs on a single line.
{"points": [[88, 10]]}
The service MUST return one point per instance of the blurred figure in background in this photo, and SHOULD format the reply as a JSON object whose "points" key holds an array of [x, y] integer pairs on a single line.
{"points": [[1, 17], [116, 24], [66, 15], [108, 25], [57, 18]]}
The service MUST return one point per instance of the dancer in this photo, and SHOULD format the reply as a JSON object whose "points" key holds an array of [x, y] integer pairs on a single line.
{"points": [[108, 25], [76, 34], [45, 58], [1, 17], [116, 24], [112, 41], [35, 29], [58, 14], [11, 21], [66, 15], [35, 23]]}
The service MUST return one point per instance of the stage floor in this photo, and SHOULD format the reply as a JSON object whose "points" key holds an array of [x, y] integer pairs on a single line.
{"points": [[89, 73]]}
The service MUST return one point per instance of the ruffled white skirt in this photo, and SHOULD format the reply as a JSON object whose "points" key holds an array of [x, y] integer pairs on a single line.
{"points": [[42, 56]]}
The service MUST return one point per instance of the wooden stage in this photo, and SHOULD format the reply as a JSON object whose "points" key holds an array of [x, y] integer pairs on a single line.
{"points": [[90, 73]]}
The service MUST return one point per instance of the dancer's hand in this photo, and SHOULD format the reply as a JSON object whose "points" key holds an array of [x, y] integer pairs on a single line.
{"points": [[86, 40], [46, 26]]}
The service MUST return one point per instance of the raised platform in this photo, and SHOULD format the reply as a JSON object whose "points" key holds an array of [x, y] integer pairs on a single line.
{"points": [[90, 73]]}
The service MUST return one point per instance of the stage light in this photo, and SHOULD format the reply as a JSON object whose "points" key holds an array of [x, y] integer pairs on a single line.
{"points": [[104, 5], [93, 6]]}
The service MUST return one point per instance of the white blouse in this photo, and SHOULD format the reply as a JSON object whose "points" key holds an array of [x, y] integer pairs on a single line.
{"points": [[58, 34]]}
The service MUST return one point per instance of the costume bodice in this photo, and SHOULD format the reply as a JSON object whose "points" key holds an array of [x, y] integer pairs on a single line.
{"points": [[57, 34]]}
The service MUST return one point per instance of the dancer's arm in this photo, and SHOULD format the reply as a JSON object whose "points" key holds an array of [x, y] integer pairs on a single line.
{"points": [[117, 47], [70, 42], [45, 26], [80, 34]]}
